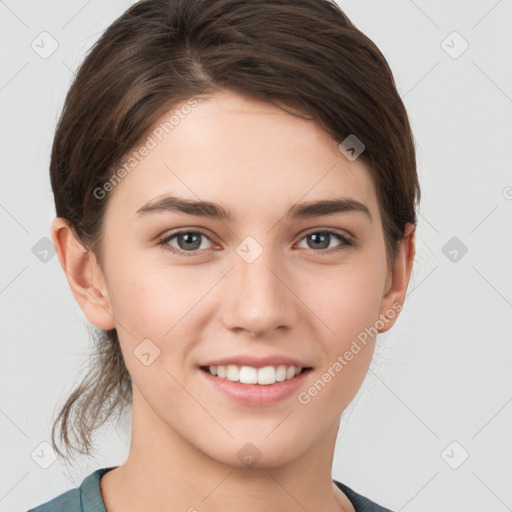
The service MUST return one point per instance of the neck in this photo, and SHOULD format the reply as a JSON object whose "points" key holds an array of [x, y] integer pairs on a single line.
{"points": [[165, 472]]}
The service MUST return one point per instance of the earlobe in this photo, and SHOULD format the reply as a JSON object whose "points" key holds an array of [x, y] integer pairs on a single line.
{"points": [[398, 280], [83, 274]]}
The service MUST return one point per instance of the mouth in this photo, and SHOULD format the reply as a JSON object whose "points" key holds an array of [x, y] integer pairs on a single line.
{"points": [[255, 386], [265, 376]]}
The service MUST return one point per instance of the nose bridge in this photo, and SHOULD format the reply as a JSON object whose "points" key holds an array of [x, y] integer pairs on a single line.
{"points": [[257, 298]]}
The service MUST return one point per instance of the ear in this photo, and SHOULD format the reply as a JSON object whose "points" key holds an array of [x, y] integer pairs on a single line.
{"points": [[84, 275], [398, 279]]}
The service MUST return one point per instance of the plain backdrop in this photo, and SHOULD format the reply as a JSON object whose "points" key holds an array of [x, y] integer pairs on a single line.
{"points": [[430, 429]]}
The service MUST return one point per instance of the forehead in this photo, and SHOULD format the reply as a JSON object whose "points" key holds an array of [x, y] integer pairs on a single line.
{"points": [[250, 156]]}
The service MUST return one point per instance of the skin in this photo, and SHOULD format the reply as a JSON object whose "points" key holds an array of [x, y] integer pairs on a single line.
{"points": [[257, 161]]}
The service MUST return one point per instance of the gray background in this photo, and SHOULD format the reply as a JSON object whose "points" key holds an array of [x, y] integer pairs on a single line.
{"points": [[440, 385]]}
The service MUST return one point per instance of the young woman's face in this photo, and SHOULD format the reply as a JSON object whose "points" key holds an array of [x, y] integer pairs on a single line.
{"points": [[266, 284]]}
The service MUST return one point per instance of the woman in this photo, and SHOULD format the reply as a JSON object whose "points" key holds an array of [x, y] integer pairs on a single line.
{"points": [[235, 187]]}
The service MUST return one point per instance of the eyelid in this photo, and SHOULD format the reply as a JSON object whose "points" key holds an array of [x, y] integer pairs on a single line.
{"points": [[332, 231], [346, 240], [163, 241]]}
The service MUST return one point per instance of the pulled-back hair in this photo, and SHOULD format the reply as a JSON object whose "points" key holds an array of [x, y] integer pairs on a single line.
{"points": [[302, 55]]}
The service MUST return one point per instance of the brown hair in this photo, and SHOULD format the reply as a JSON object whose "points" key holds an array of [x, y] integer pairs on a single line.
{"points": [[300, 54]]}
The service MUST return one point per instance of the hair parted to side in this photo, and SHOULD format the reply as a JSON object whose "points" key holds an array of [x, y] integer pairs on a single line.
{"points": [[303, 55]]}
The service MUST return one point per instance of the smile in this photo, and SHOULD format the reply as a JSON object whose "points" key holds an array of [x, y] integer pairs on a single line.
{"points": [[263, 388], [250, 375]]}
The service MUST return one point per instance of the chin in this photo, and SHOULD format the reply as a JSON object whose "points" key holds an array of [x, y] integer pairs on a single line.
{"points": [[257, 453]]}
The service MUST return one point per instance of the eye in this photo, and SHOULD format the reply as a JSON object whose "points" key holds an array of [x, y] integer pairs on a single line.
{"points": [[189, 242], [322, 240]]}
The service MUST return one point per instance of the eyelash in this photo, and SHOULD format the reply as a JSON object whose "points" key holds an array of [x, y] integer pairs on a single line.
{"points": [[345, 241]]}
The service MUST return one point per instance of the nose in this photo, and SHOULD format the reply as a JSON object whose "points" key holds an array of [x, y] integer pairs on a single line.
{"points": [[259, 297]]}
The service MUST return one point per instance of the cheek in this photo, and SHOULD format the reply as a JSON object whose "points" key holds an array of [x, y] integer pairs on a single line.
{"points": [[158, 304], [348, 307], [346, 299], [151, 299], [347, 302]]}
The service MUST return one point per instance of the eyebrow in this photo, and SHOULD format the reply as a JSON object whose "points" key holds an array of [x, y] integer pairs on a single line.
{"points": [[305, 210]]}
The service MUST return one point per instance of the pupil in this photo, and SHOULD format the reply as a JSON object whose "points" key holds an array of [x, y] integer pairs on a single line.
{"points": [[187, 237], [325, 237], [320, 240]]}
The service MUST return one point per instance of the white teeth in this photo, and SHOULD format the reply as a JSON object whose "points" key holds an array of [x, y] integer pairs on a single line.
{"points": [[281, 373], [250, 375], [266, 375], [232, 372]]}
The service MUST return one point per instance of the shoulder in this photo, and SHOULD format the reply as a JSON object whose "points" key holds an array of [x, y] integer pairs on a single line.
{"points": [[85, 498], [360, 503]]}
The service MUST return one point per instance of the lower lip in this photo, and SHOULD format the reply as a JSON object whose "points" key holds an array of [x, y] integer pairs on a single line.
{"points": [[256, 394]]}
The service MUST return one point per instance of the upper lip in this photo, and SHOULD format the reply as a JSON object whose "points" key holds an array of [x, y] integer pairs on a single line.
{"points": [[257, 362]]}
